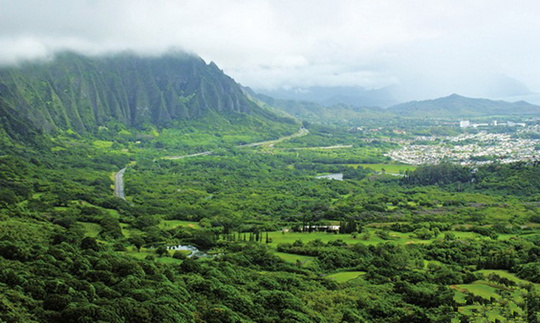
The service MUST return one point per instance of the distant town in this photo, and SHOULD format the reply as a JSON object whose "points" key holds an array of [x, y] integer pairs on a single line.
{"points": [[471, 148], [495, 123]]}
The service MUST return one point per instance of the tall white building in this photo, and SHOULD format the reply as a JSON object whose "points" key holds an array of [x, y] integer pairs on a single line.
{"points": [[464, 123]]}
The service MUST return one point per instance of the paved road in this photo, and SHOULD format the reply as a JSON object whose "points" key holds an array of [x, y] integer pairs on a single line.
{"points": [[300, 133], [119, 177], [187, 156], [119, 184]]}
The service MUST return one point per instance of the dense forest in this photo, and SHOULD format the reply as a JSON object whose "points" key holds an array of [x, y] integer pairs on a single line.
{"points": [[270, 238], [411, 248]]}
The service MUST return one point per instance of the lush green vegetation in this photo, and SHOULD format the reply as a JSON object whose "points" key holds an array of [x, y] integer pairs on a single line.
{"points": [[345, 276], [439, 243], [405, 250]]}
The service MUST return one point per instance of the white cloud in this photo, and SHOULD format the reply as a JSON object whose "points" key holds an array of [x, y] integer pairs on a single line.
{"points": [[427, 47]]}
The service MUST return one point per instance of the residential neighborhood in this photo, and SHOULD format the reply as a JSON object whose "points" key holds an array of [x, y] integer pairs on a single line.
{"points": [[469, 149]]}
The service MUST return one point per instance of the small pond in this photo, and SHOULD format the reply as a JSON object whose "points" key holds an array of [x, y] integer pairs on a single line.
{"points": [[194, 251]]}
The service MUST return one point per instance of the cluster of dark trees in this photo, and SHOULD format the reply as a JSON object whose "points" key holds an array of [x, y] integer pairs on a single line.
{"points": [[518, 178]]}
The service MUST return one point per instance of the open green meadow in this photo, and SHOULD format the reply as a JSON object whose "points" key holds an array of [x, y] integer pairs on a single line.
{"points": [[507, 275], [372, 236], [368, 237], [128, 230], [480, 288], [345, 276], [388, 168], [498, 297], [486, 314], [278, 237], [292, 258], [171, 224], [168, 260]]}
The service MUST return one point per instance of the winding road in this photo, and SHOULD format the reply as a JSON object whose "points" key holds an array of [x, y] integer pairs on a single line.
{"points": [[302, 132], [119, 176], [187, 156]]}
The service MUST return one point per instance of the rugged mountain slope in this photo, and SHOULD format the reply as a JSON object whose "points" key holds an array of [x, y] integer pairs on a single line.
{"points": [[459, 106], [80, 93]]}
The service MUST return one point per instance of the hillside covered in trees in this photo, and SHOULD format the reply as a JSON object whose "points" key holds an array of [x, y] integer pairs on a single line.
{"points": [[241, 233], [79, 93]]}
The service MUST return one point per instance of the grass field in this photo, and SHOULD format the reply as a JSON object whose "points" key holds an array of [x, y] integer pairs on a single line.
{"points": [[171, 224], [168, 260], [290, 237], [372, 238], [389, 168], [489, 290], [128, 231], [489, 315], [292, 258], [480, 288], [346, 276], [133, 253], [460, 297], [507, 275]]}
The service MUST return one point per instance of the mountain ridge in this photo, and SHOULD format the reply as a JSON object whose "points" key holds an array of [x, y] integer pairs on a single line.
{"points": [[456, 105], [452, 106], [80, 93]]}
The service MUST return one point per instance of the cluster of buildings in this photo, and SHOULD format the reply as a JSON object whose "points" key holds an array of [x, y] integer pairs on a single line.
{"points": [[495, 123], [469, 149]]}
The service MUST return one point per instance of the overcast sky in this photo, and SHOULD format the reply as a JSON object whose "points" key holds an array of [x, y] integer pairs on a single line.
{"points": [[427, 48]]}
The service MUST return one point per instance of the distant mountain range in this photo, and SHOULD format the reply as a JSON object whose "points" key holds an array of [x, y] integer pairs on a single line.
{"points": [[460, 106], [453, 106]]}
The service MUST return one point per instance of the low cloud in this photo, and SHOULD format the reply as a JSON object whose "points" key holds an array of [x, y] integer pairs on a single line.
{"points": [[425, 48]]}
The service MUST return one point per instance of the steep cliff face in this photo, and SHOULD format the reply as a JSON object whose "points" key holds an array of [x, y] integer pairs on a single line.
{"points": [[80, 93]]}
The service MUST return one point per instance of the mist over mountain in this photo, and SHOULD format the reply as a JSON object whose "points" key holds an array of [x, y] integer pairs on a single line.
{"points": [[453, 106], [79, 93], [338, 95], [533, 98]]}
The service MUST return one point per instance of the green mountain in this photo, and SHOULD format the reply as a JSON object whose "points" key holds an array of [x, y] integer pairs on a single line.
{"points": [[459, 106], [319, 113], [80, 93], [453, 106]]}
